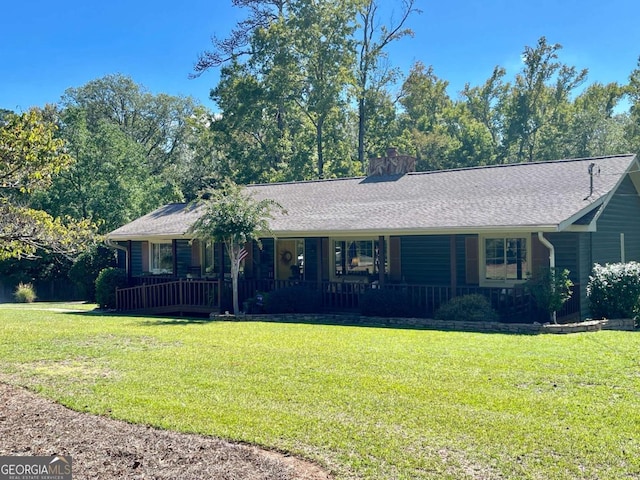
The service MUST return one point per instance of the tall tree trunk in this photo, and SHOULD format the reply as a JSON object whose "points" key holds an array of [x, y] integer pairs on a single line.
{"points": [[234, 254], [361, 128], [319, 132]]}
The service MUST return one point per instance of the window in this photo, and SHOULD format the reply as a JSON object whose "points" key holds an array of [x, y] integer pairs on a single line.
{"points": [[506, 259], [161, 258], [356, 258], [208, 257]]}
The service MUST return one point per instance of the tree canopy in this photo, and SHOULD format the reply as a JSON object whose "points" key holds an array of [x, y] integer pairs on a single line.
{"points": [[31, 155], [306, 90]]}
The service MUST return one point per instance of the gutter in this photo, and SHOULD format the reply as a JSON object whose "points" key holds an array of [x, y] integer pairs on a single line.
{"points": [[110, 243]]}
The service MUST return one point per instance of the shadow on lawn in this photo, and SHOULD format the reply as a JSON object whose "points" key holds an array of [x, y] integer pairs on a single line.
{"points": [[306, 319], [326, 320]]}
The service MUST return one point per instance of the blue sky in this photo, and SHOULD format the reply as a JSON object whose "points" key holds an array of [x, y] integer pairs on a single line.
{"points": [[47, 47]]}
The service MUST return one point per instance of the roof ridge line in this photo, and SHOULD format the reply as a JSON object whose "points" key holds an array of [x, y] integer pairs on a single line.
{"points": [[517, 164]]}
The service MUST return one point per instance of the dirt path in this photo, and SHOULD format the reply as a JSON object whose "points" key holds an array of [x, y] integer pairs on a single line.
{"points": [[102, 448]]}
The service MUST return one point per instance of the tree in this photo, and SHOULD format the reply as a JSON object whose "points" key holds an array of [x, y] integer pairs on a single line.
{"points": [[262, 134], [595, 127], [537, 104], [428, 111], [551, 288], [155, 122], [326, 51], [30, 156], [284, 85], [232, 216], [632, 129], [129, 147], [371, 77], [484, 103]]}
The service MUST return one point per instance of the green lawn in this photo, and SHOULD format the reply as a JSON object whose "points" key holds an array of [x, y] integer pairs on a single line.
{"points": [[364, 402]]}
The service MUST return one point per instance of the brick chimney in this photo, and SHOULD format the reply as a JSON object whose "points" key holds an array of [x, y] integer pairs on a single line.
{"points": [[391, 164]]}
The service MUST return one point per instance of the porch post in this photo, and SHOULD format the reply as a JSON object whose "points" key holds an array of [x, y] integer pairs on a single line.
{"points": [[454, 263], [174, 250], [382, 260], [127, 260]]}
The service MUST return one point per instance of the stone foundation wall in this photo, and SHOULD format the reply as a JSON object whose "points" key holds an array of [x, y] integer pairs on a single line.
{"points": [[426, 323]]}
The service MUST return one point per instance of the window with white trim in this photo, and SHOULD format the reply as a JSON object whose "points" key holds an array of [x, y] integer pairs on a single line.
{"points": [[161, 261], [505, 260], [356, 258]]}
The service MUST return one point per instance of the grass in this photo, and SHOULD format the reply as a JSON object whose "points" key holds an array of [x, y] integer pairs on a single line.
{"points": [[366, 403]]}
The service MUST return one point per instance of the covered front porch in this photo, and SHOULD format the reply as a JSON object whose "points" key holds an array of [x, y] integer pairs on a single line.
{"points": [[201, 296], [187, 276]]}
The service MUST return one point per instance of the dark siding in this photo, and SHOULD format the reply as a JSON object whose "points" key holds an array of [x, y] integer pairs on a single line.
{"points": [[461, 260], [622, 215], [266, 258], [183, 249], [586, 265], [311, 259], [121, 259], [394, 255], [567, 252], [573, 253], [426, 260], [136, 258]]}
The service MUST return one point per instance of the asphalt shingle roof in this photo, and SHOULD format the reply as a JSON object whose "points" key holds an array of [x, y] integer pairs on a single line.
{"points": [[535, 195]]}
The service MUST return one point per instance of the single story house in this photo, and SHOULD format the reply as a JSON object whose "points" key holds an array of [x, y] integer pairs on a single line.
{"points": [[434, 234]]}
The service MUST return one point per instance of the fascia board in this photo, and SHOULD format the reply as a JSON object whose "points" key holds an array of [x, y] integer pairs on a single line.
{"points": [[568, 223]]}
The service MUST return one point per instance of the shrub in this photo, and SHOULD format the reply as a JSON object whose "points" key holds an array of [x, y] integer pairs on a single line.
{"points": [[467, 308], [292, 300], [614, 290], [255, 304], [382, 302], [87, 267], [24, 293], [550, 289], [108, 280]]}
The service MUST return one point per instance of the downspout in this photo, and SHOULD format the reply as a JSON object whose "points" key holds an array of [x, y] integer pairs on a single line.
{"points": [[552, 249], [552, 260]]}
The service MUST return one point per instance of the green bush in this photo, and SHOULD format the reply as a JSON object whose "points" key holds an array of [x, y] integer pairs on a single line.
{"points": [[292, 300], [467, 308], [550, 288], [255, 304], [87, 267], [24, 293], [108, 280], [382, 302], [614, 290]]}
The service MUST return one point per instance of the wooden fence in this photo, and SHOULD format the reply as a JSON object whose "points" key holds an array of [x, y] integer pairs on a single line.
{"points": [[182, 295], [198, 295]]}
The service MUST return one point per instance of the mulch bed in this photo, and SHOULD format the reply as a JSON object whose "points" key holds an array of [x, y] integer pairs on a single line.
{"points": [[103, 448]]}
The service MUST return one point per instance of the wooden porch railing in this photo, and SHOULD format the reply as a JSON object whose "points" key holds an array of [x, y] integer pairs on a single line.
{"points": [[194, 295], [182, 295]]}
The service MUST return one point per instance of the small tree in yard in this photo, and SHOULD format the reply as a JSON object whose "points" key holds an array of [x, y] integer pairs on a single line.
{"points": [[232, 216], [551, 288]]}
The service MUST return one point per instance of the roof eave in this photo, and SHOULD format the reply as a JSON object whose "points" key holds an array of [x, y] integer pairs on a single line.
{"points": [[462, 230]]}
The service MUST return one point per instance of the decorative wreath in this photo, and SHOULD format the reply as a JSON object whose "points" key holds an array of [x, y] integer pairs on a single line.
{"points": [[286, 256]]}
